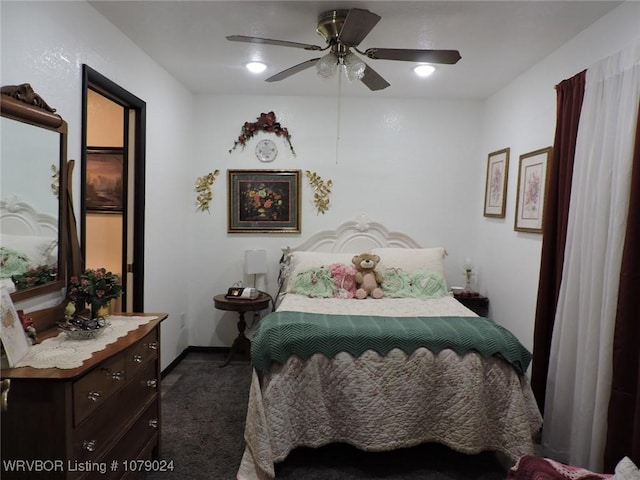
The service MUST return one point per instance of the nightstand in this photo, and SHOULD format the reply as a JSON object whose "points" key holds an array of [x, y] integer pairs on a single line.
{"points": [[241, 344], [478, 304]]}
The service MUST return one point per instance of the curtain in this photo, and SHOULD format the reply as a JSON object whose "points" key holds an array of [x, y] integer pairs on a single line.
{"points": [[569, 95], [580, 361], [623, 435]]}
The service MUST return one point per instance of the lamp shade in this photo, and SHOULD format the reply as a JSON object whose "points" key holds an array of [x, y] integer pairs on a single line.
{"points": [[255, 262]]}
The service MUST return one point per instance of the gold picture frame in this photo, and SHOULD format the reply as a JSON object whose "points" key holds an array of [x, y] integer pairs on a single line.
{"points": [[532, 180], [263, 201], [495, 190]]}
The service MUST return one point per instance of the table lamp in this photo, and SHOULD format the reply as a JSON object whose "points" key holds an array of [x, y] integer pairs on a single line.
{"points": [[255, 263]]}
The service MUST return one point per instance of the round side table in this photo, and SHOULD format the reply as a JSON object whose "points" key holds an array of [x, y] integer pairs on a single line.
{"points": [[241, 344]]}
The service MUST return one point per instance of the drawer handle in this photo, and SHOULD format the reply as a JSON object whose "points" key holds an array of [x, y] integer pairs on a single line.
{"points": [[153, 423], [89, 445], [152, 383], [117, 375], [94, 396], [153, 346], [137, 359], [4, 396]]}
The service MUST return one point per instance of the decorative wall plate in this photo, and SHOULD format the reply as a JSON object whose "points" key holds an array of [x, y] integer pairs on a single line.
{"points": [[266, 150]]}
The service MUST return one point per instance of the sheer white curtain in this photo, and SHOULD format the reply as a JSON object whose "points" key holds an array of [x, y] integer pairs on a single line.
{"points": [[580, 362]]}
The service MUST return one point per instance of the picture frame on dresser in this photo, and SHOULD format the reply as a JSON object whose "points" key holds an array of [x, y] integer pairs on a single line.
{"points": [[532, 179], [12, 335], [495, 193], [263, 201]]}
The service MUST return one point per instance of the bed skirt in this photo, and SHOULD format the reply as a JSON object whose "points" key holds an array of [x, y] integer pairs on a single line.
{"points": [[468, 403]]}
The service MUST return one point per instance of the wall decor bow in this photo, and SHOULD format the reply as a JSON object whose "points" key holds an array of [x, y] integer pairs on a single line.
{"points": [[266, 122]]}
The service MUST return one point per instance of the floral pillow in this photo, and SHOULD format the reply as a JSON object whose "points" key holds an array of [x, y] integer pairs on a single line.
{"points": [[315, 282], [12, 262], [423, 284], [344, 280]]}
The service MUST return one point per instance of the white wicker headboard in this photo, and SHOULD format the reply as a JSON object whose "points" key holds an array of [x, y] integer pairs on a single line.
{"points": [[359, 235]]}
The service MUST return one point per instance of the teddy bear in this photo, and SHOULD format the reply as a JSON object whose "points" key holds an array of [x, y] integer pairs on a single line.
{"points": [[368, 279], [344, 280]]}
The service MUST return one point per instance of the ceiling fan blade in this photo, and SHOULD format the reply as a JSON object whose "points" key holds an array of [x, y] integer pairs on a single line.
{"points": [[292, 70], [408, 55], [356, 26], [268, 41], [373, 80]]}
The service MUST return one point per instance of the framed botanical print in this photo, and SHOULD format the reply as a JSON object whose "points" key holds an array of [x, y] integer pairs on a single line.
{"points": [[264, 201], [495, 193], [532, 179]]}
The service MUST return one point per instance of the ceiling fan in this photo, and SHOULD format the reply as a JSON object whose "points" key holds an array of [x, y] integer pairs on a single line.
{"points": [[343, 30]]}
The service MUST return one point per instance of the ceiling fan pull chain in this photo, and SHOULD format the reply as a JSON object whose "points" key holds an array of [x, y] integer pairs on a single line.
{"points": [[338, 119]]}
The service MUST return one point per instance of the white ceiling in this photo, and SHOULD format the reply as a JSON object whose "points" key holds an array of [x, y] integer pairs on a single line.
{"points": [[498, 41]]}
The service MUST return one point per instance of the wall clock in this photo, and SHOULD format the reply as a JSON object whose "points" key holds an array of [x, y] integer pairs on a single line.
{"points": [[266, 150]]}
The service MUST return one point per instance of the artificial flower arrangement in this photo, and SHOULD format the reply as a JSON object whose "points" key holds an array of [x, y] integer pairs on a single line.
{"points": [[35, 276], [266, 122], [94, 287]]}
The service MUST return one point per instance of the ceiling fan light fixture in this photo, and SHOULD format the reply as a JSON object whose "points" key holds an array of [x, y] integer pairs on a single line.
{"points": [[327, 65], [354, 67], [256, 67], [424, 70]]}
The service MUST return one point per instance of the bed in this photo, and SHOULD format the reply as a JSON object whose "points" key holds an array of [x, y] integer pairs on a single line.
{"points": [[28, 240], [381, 374]]}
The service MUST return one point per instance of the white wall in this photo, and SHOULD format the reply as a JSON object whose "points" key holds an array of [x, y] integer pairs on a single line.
{"points": [[45, 44], [409, 164], [416, 165], [522, 117]]}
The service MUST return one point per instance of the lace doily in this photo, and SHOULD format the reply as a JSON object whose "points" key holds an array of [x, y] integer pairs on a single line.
{"points": [[62, 352]]}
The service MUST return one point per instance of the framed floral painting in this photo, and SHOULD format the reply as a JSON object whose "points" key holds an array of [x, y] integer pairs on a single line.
{"points": [[532, 179], [264, 201], [495, 193]]}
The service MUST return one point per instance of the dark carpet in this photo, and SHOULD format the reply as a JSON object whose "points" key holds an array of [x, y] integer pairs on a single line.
{"points": [[203, 417]]}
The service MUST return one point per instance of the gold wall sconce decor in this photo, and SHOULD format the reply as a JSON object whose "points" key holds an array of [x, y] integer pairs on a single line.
{"points": [[55, 179], [203, 189], [321, 189]]}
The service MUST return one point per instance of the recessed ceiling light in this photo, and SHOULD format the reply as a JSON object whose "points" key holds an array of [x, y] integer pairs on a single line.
{"points": [[256, 67], [424, 70]]}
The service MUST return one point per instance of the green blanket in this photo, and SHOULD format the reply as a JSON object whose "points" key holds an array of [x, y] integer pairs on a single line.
{"points": [[282, 334]]}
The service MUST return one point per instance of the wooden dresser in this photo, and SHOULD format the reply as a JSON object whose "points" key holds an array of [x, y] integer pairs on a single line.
{"points": [[99, 420]]}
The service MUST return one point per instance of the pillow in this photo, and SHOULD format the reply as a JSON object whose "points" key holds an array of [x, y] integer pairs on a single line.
{"points": [[299, 262], [344, 280], [423, 284], [12, 262], [411, 259], [39, 250], [626, 470], [315, 282]]}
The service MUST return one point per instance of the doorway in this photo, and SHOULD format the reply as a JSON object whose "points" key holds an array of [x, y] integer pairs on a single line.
{"points": [[112, 184]]}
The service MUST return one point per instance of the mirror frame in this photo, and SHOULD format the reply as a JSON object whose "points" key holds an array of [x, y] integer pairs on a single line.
{"points": [[21, 103]]}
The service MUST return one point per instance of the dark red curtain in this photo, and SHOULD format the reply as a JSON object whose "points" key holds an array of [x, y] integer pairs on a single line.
{"points": [[623, 430], [569, 94]]}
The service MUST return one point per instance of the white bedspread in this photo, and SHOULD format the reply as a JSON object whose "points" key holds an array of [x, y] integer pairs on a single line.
{"points": [[376, 403], [385, 307]]}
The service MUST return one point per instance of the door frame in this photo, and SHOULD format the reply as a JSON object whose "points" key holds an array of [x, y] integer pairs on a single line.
{"points": [[97, 82]]}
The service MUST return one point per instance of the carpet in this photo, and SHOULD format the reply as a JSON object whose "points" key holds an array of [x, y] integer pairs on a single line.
{"points": [[203, 417]]}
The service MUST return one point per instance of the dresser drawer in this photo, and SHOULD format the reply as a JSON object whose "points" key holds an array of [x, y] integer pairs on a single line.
{"points": [[96, 387], [132, 447], [96, 434], [142, 352]]}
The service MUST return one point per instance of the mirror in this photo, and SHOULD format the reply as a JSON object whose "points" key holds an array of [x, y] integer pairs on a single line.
{"points": [[33, 193]]}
